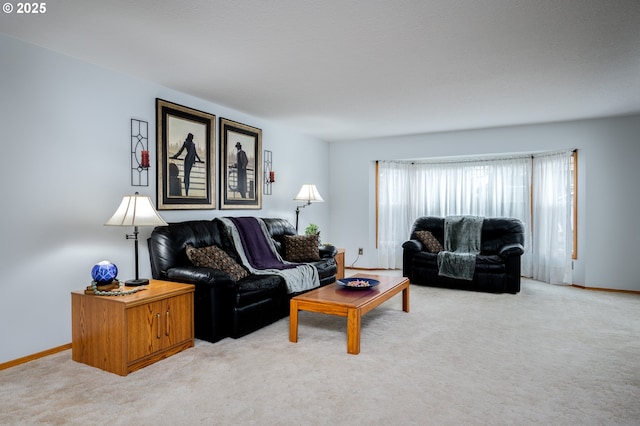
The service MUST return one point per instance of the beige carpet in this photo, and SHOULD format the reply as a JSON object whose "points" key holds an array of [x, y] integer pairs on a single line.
{"points": [[549, 355]]}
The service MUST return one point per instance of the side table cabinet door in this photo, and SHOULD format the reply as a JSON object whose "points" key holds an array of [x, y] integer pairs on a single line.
{"points": [[145, 330], [178, 319]]}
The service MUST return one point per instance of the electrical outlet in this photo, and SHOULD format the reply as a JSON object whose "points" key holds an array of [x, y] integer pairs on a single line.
{"points": [[360, 251]]}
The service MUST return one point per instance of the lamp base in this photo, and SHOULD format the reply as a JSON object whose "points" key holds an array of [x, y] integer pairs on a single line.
{"points": [[135, 283]]}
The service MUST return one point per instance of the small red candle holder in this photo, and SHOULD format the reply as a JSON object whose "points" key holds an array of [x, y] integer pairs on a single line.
{"points": [[144, 161]]}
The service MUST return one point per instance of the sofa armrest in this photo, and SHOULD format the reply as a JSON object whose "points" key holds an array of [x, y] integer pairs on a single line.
{"points": [[327, 251], [509, 250], [213, 300], [199, 275], [412, 246]]}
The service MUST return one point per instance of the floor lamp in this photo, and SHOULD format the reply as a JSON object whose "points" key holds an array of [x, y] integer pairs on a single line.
{"points": [[309, 194], [136, 210]]}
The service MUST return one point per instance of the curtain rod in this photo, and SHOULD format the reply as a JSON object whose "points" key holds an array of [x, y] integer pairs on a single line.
{"points": [[478, 159]]}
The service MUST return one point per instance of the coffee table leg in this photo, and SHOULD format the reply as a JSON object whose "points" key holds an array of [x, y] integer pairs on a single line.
{"points": [[293, 321], [353, 331], [405, 299]]}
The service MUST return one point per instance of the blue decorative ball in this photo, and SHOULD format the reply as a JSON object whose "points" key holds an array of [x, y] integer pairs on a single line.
{"points": [[104, 272]]}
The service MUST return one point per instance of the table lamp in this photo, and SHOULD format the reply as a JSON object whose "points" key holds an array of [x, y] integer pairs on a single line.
{"points": [[136, 210]]}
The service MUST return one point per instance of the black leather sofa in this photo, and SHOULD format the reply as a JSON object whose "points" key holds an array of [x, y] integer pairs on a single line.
{"points": [[224, 307], [497, 268]]}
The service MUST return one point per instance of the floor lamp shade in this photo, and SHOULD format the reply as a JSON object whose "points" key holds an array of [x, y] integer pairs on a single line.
{"points": [[308, 194], [136, 210]]}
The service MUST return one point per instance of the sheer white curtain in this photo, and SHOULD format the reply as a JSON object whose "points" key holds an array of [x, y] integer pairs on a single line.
{"points": [[394, 217], [490, 188], [552, 204]]}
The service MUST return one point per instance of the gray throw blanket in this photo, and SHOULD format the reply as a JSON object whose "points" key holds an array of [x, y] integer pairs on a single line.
{"points": [[462, 236], [298, 277]]}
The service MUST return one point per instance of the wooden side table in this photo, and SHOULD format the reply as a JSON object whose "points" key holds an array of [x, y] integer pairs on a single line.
{"points": [[340, 263], [122, 334]]}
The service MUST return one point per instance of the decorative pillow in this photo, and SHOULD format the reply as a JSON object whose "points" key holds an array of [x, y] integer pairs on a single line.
{"points": [[215, 257], [301, 248], [430, 242]]}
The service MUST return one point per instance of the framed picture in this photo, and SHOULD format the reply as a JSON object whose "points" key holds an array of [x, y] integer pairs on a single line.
{"points": [[240, 166], [185, 153]]}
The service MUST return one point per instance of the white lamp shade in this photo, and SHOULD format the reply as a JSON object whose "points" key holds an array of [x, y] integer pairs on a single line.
{"points": [[309, 193], [136, 210]]}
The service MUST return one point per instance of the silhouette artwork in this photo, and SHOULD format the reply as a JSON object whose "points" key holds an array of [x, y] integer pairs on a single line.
{"points": [[241, 165], [190, 158], [240, 150]]}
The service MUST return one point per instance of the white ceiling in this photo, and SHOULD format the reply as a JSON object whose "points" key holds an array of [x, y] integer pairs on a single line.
{"points": [[347, 69]]}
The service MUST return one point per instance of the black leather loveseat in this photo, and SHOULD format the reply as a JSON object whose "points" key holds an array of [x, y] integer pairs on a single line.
{"points": [[497, 268], [224, 307]]}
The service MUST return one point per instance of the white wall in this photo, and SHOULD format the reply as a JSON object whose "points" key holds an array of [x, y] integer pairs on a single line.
{"points": [[65, 166], [608, 195]]}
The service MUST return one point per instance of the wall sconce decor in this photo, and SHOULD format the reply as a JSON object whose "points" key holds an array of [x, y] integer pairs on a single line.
{"points": [[269, 174], [139, 153]]}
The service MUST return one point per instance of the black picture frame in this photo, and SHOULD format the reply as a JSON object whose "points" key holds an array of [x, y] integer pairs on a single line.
{"points": [[185, 182], [237, 192]]}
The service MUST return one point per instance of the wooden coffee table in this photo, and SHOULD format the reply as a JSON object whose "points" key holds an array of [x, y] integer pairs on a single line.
{"points": [[351, 303]]}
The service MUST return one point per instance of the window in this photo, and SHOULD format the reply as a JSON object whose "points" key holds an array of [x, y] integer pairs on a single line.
{"points": [[535, 190]]}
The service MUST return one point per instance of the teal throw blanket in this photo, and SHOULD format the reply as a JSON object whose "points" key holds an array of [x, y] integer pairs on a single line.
{"points": [[462, 239]]}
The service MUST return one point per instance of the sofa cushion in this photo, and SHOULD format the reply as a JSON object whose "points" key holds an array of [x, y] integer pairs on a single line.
{"points": [[429, 241], [278, 228], [326, 268], [301, 248], [490, 263], [167, 243], [255, 288], [425, 258], [216, 258]]}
